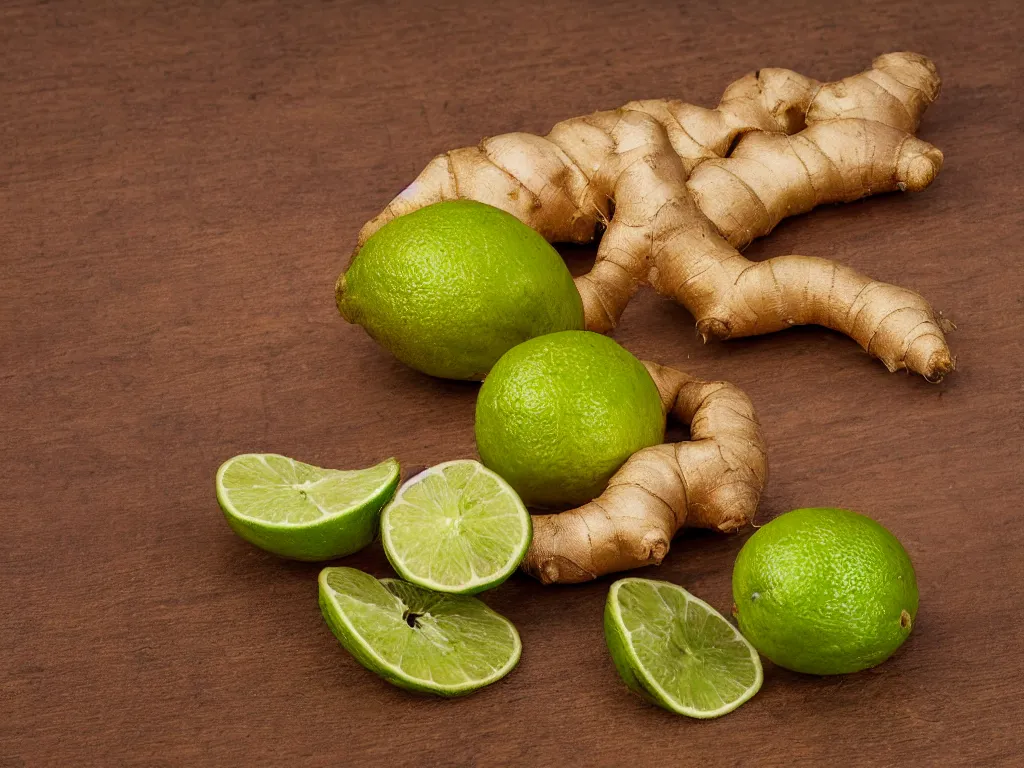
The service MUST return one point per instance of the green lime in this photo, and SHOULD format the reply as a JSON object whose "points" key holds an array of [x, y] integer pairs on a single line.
{"points": [[677, 651], [300, 511], [456, 527], [559, 414], [450, 287], [417, 639], [824, 591]]}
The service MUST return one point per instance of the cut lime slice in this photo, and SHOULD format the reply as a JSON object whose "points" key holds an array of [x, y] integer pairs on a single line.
{"points": [[677, 651], [300, 511], [457, 528], [417, 639]]}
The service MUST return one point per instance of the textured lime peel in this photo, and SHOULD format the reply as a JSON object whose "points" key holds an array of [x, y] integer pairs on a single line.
{"points": [[448, 645], [677, 651], [559, 414], [825, 591], [452, 287], [300, 511], [457, 528]]}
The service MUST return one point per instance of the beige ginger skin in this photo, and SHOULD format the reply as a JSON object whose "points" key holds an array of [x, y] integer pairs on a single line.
{"points": [[681, 189]]}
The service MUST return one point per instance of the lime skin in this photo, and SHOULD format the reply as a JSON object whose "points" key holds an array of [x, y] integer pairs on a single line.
{"points": [[448, 289], [824, 591], [559, 414]]}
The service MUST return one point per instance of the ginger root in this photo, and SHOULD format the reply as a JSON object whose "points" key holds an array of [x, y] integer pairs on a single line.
{"points": [[681, 188], [714, 480]]}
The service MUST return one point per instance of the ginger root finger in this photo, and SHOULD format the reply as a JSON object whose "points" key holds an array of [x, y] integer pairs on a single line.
{"points": [[714, 480], [895, 91], [894, 324], [771, 176], [525, 175]]}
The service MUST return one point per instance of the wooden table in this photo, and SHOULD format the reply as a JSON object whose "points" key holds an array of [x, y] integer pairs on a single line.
{"points": [[179, 186]]}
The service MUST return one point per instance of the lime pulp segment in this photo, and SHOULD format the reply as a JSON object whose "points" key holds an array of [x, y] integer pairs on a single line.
{"points": [[677, 651], [301, 511], [420, 640], [456, 527]]}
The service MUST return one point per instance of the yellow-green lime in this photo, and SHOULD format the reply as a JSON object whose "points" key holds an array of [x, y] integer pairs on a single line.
{"points": [[559, 414], [824, 591], [300, 511], [450, 287], [457, 528], [677, 651], [416, 639]]}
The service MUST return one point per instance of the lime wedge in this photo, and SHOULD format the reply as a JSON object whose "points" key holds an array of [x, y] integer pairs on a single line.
{"points": [[457, 528], [449, 645], [300, 511], [677, 651]]}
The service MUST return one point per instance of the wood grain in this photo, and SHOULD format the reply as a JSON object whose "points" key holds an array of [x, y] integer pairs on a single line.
{"points": [[180, 184]]}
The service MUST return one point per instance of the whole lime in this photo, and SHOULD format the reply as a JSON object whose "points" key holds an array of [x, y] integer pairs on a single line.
{"points": [[448, 289], [824, 591], [558, 415]]}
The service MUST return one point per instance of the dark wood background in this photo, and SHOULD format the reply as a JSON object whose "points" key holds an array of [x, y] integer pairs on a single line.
{"points": [[180, 185]]}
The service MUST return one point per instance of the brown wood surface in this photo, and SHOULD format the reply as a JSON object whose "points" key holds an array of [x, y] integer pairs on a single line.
{"points": [[179, 186]]}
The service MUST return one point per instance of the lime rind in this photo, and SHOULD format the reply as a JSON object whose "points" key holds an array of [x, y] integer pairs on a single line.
{"points": [[301, 511], [825, 591], [454, 646], [686, 635], [452, 286], [559, 414], [457, 528]]}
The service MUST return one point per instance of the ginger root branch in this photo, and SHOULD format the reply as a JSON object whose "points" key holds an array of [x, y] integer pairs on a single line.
{"points": [[714, 480], [682, 187]]}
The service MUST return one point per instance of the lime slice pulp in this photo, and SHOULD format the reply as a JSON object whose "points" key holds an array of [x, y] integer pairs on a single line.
{"points": [[677, 651], [420, 640], [300, 511], [457, 528]]}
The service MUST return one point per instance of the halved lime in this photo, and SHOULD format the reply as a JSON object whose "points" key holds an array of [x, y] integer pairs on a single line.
{"points": [[457, 528], [417, 639], [677, 651], [300, 511]]}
